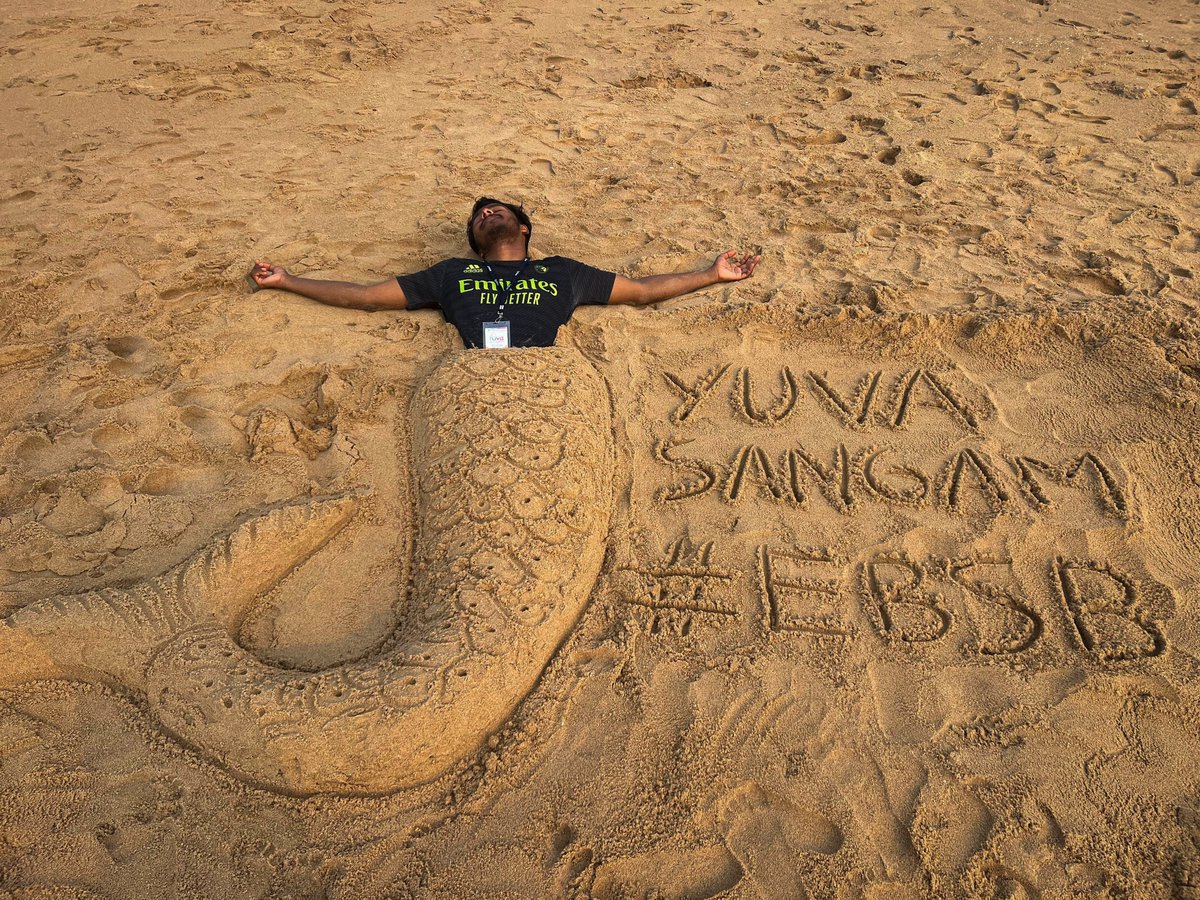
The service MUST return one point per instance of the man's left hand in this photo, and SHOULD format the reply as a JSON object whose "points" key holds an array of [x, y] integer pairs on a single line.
{"points": [[727, 266]]}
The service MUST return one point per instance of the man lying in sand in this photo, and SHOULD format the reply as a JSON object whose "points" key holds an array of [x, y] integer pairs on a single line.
{"points": [[506, 299]]}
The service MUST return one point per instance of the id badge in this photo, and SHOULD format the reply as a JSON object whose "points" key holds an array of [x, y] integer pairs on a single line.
{"points": [[496, 336]]}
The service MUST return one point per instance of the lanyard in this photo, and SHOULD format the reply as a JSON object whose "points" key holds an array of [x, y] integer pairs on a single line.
{"points": [[508, 293]]}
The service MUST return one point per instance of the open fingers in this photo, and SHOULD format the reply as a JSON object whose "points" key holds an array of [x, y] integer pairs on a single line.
{"points": [[738, 268], [746, 265]]}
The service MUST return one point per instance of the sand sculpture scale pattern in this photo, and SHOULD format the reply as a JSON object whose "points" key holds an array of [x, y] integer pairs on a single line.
{"points": [[512, 454]]}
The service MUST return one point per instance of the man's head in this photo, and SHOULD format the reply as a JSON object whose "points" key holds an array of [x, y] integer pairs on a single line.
{"points": [[494, 220]]}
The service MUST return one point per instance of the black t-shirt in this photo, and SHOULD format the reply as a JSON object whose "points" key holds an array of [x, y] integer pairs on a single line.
{"points": [[542, 298]]}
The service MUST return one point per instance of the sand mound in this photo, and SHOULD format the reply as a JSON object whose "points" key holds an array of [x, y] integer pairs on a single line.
{"points": [[874, 576]]}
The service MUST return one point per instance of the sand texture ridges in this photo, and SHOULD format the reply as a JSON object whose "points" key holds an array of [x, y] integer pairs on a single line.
{"points": [[874, 576]]}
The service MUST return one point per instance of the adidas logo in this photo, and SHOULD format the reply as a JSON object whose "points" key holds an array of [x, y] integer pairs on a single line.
{"points": [[473, 269]]}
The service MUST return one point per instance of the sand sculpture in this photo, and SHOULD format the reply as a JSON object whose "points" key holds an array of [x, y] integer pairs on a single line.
{"points": [[512, 454]]}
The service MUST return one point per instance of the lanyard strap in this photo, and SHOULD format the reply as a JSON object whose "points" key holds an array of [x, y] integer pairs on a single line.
{"points": [[508, 292]]}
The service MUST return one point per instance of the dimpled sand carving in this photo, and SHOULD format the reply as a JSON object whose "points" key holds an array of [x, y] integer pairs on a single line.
{"points": [[512, 456]]}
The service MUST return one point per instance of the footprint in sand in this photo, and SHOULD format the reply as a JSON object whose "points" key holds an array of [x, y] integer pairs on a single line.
{"points": [[513, 463], [766, 834], [669, 875], [570, 864]]}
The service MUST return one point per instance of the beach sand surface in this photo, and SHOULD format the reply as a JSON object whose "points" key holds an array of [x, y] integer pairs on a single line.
{"points": [[876, 575]]}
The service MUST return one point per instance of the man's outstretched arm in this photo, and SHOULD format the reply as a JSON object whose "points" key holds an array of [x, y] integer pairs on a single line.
{"points": [[652, 288], [382, 295]]}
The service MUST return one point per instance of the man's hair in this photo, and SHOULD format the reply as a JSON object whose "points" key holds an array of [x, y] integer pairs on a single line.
{"points": [[516, 209]]}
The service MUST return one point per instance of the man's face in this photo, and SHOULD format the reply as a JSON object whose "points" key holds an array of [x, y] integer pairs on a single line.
{"points": [[495, 222]]}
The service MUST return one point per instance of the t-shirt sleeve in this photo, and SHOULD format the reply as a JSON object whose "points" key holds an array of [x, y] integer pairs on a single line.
{"points": [[423, 289], [590, 285]]}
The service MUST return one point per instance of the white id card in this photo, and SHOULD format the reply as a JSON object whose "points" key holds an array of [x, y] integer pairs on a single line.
{"points": [[496, 336]]}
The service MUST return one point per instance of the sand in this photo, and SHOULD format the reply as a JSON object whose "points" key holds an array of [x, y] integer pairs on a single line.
{"points": [[873, 576]]}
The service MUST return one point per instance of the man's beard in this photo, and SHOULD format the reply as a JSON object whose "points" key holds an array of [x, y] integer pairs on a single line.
{"points": [[496, 231]]}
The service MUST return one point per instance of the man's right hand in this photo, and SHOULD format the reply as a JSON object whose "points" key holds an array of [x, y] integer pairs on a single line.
{"points": [[347, 294], [266, 275]]}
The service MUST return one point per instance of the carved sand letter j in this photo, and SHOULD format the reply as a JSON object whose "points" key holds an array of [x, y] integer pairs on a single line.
{"points": [[513, 459]]}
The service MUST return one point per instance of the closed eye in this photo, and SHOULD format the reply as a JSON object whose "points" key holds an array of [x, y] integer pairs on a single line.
{"points": [[494, 209]]}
